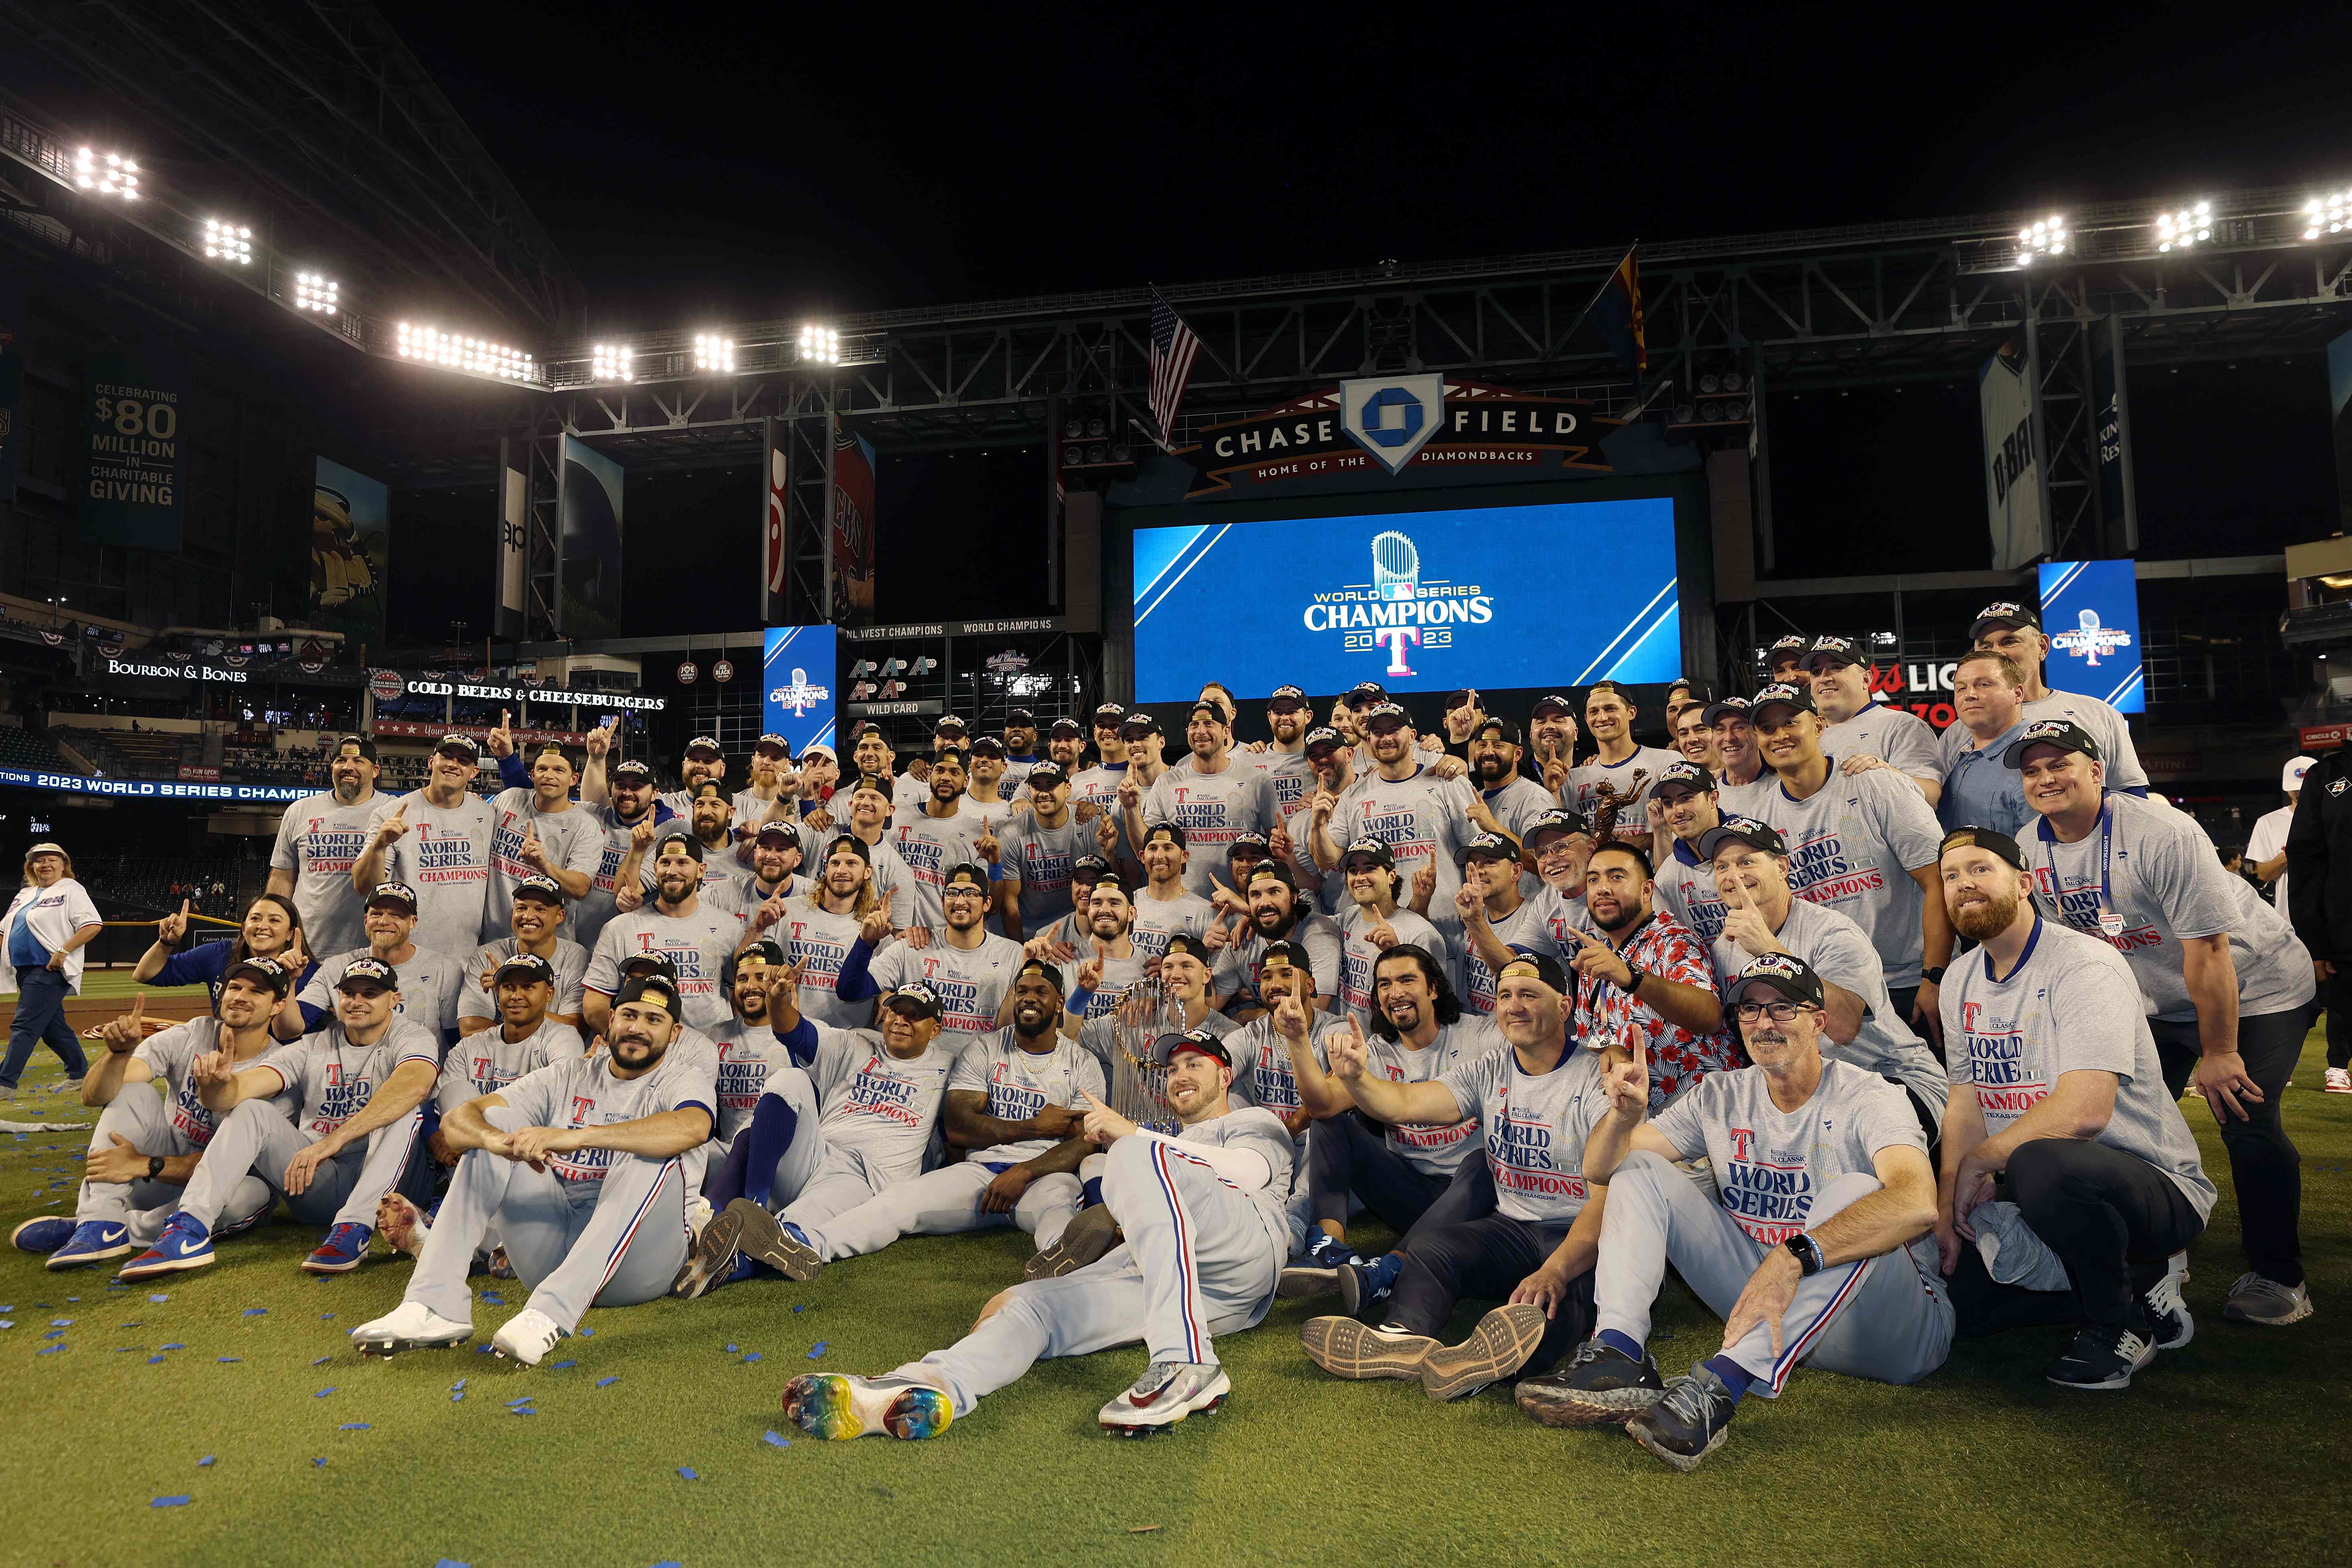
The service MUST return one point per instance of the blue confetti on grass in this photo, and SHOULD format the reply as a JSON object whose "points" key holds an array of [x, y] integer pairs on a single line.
{"points": [[451, 1562], [481, 1350], [777, 1440], [458, 1386], [522, 1410], [685, 1472], [354, 1426], [49, 1350], [158, 1298], [754, 1356], [561, 1364], [732, 1349], [153, 1359], [818, 1348], [606, 1382], [326, 1316], [324, 1392], [259, 1312], [494, 1299], [799, 1306], [179, 1501], [175, 1345], [205, 1463], [457, 1399], [322, 1360], [224, 1360], [584, 1333], [317, 1464], [68, 1323]]}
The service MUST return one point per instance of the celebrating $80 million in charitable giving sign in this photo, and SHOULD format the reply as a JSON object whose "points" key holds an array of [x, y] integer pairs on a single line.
{"points": [[1419, 601]]}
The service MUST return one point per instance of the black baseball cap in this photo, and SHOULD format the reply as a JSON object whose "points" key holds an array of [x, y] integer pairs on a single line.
{"points": [[1289, 952], [637, 965], [1364, 693], [1271, 870], [527, 964], [1213, 709], [629, 772], [1836, 652], [987, 746], [1999, 843], [1744, 830], [1247, 840], [678, 835], [1067, 727], [701, 744], [1087, 866], [948, 724], [1108, 715], [371, 971], [1724, 708], [1616, 687], [2005, 613], [1785, 974], [1286, 698], [457, 745], [539, 885], [1050, 974], [1324, 735], [916, 1000], [871, 728], [1780, 694], [1391, 713], [656, 987], [1200, 1042], [1466, 698], [366, 746], [775, 743], [1550, 702], [964, 874], [1510, 733], [1171, 831], [399, 893], [766, 947], [1487, 846], [1559, 819], [1687, 774], [851, 842], [1796, 645], [1020, 719], [1377, 849], [2062, 734], [1049, 774], [774, 829], [1185, 943], [1140, 723], [268, 971], [711, 789], [1544, 966]]}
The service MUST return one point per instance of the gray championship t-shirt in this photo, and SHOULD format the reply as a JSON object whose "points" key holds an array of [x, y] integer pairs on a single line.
{"points": [[589, 915], [1895, 736], [971, 983], [1424, 821], [748, 1053], [430, 985], [699, 943], [1433, 1150], [1288, 772], [1853, 845], [445, 857], [581, 1091], [317, 840], [1157, 920], [573, 839], [1234, 974], [485, 1062], [1529, 926], [169, 1054], [2158, 871], [1535, 1126], [879, 1106], [1039, 858], [1686, 890], [2069, 1005], [1358, 953], [327, 1078], [571, 964], [1017, 1084], [927, 846], [820, 941], [1210, 808]]}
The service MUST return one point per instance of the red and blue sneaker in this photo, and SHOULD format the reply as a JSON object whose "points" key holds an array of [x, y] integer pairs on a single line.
{"points": [[93, 1241], [344, 1251], [185, 1243]]}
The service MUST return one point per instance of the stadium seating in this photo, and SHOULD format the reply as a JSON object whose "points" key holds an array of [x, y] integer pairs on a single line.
{"points": [[29, 749]]}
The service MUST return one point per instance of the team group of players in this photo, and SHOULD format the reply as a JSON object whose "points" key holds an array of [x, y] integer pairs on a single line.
{"points": [[1877, 1037]]}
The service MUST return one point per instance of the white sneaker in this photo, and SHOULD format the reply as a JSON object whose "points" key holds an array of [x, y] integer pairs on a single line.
{"points": [[411, 1325], [2340, 1080], [527, 1336], [1168, 1391], [2255, 1300]]}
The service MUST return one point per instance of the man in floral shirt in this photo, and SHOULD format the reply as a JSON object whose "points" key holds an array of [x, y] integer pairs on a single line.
{"points": [[1641, 968]]}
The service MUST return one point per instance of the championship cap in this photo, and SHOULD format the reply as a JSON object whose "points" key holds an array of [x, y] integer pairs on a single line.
{"points": [[1741, 831], [1783, 973], [1835, 652], [1087, 866], [851, 842], [1780, 694], [703, 746], [530, 965], [1110, 880], [657, 988], [1365, 693], [1107, 715], [1618, 687], [1375, 849], [2062, 734], [2005, 613], [1502, 729], [711, 789], [369, 971], [1210, 706], [1392, 714], [949, 724], [540, 886], [396, 894], [1285, 698], [1986, 838], [1793, 647], [1191, 946], [2290, 778], [366, 747], [774, 829], [766, 948], [1139, 723], [643, 963], [964, 874], [1540, 966], [268, 971], [629, 772], [1325, 736], [1255, 842], [1557, 819], [460, 746], [916, 1000], [987, 746], [819, 749], [1200, 1042], [679, 836], [1551, 702], [775, 743], [1045, 971], [1689, 774], [1020, 719], [1724, 708], [1487, 846], [1171, 831], [1049, 774], [1068, 729], [871, 728]]}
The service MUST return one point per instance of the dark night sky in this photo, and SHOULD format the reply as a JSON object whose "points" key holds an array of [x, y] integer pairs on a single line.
{"points": [[693, 163]]}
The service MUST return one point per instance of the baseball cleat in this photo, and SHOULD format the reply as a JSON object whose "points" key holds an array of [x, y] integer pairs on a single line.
{"points": [[2252, 1300], [185, 1243], [1090, 1234], [713, 1262], [1168, 1391], [2339, 1082], [2100, 1358], [411, 1325], [2174, 1325], [1689, 1421], [527, 1336], [44, 1234], [1346, 1348], [1495, 1349], [91, 1242], [765, 1241], [1602, 1386], [344, 1249], [837, 1407], [402, 1224]]}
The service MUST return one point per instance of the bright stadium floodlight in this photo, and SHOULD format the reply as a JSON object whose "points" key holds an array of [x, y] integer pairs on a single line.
{"points": [[2189, 225], [820, 345], [713, 353], [316, 291], [229, 243], [478, 355], [2327, 214], [2046, 237], [609, 362], [106, 173]]}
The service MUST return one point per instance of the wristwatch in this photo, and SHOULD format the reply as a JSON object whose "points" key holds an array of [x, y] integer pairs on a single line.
{"points": [[154, 1167], [1932, 976], [1634, 977], [1808, 1252]]}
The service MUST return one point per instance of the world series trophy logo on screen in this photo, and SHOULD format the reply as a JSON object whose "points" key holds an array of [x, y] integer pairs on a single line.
{"points": [[1396, 566]]}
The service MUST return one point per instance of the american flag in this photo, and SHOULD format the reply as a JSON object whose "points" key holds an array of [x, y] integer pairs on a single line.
{"points": [[1174, 347]]}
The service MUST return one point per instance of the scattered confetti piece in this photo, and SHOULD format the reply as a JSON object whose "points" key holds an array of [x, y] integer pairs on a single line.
{"points": [[179, 1501], [325, 1359], [204, 1463], [458, 1386], [803, 1306], [361, 1426], [68, 1323], [227, 1359], [451, 1562], [317, 1464], [481, 1350], [777, 1440], [158, 1298], [457, 1399], [561, 1364], [262, 1312], [324, 1392], [494, 1299], [818, 1348], [6, 1323], [132, 1324], [175, 1345], [329, 1317], [754, 1356], [153, 1359], [606, 1382], [49, 1350], [686, 1473], [522, 1410], [584, 1333], [732, 1349]]}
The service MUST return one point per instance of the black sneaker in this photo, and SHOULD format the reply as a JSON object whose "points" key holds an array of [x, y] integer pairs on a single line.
{"points": [[2173, 1326], [1689, 1421], [1602, 1386], [2101, 1358]]}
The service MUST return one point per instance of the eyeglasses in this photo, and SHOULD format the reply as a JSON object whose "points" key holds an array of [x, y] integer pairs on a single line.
{"points": [[1778, 1012]]}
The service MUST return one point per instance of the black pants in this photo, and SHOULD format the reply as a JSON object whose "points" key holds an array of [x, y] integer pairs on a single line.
{"points": [[2113, 1219], [1344, 1156], [2335, 995], [2264, 1165], [1485, 1259]]}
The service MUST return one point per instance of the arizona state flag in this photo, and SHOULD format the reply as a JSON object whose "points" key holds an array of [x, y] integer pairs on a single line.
{"points": [[1616, 310]]}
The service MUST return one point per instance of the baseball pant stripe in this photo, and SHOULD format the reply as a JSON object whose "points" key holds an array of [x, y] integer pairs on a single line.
{"points": [[1183, 1250], [1795, 1352], [613, 1262]]}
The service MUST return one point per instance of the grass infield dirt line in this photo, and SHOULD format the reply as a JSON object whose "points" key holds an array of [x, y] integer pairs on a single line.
{"points": [[2233, 1441]]}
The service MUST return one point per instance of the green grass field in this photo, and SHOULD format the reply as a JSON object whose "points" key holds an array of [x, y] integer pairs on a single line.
{"points": [[2227, 1451]]}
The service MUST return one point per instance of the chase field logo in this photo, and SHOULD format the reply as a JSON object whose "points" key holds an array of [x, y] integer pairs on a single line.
{"points": [[1398, 611], [1392, 419], [800, 696], [2089, 640]]}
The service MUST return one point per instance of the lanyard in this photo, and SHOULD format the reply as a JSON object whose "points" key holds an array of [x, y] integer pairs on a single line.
{"points": [[2111, 920]]}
